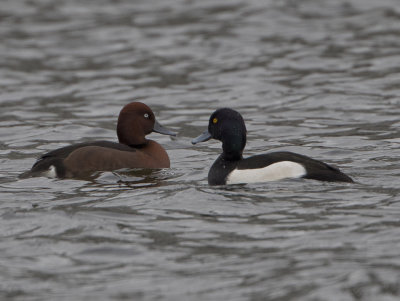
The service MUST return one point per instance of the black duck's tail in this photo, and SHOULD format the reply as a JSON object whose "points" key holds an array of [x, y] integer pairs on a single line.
{"points": [[331, 174]]}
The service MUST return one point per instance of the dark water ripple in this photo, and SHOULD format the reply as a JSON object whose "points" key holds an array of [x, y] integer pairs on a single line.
{"points": [[316, 77]]}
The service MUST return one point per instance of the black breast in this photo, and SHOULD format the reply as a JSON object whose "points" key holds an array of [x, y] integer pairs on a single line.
{"points": [[220, 170]]}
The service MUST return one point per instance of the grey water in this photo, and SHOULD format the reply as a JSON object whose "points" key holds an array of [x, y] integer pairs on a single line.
{"points": [[318, 77]]}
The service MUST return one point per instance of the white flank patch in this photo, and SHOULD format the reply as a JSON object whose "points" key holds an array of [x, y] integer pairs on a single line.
{"points": [[51, 172], [273, 172]]}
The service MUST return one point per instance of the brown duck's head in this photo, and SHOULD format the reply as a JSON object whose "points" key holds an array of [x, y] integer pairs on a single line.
{"points": [[135, 121]]}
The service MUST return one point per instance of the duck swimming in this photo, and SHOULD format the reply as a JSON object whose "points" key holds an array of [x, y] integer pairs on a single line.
{"points": [[227, 126], [135, 121]]}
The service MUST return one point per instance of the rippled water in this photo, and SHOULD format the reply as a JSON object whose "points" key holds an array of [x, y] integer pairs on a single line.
{"points": [[321, 78]]}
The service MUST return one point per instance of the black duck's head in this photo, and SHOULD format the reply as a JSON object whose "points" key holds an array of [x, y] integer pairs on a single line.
{"points": [[227, 126]]}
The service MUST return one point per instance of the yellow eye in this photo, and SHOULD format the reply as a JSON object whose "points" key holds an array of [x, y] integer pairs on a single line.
{"points": [[215, 120]]}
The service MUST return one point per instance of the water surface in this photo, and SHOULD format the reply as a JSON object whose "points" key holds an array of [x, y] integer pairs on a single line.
{"points": [[321, 78]]}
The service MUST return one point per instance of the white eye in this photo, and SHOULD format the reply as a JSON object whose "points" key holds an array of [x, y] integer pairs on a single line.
{"points": [[146, 116]]}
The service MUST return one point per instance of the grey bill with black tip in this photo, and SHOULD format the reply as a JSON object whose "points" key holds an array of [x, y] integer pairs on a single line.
{"points": [[158, 128], [203, 137]]}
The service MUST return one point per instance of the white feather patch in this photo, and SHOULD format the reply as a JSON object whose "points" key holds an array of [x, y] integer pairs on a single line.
{"points": [[51, 172], [273, 172]]}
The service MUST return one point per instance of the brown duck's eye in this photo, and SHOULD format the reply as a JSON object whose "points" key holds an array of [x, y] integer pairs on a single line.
{"points": [[146, 115]]}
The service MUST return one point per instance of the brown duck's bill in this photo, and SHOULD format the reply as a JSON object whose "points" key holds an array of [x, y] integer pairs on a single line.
{"points": [[203, 137], [158, 128]]}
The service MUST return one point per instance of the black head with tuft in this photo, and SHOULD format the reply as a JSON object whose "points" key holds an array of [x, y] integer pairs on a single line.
{"points": [[227, 126]]}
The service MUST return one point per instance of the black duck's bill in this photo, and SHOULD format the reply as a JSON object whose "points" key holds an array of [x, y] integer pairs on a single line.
{"points": [[203, 137]]}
